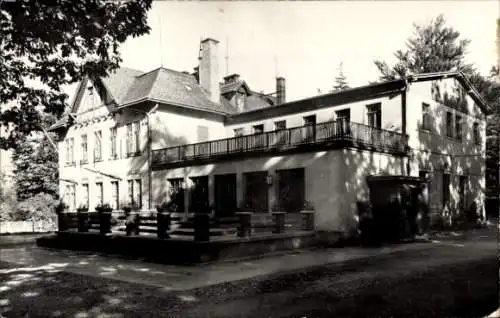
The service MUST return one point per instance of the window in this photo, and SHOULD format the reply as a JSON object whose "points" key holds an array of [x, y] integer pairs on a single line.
{"points": [[463, 181], [85, 200], [280, 125], [137, 138], [97, 146], [114, 153], [449, 124], [375, 115], [135, 192], [66, 146], [258, 129], [115, 195], [84, 150], [99, 196], [426, 116], [138, 192], [446, 189], [477, 135], [129, 139], [70, 151], [202, 133], [130, 191], [72, 196], [458, 127], [238, 132]]}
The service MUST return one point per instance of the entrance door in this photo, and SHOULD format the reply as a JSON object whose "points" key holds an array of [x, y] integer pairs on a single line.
{"points": [[291, 189], [225, 194], [199, 195], [256, 191]]}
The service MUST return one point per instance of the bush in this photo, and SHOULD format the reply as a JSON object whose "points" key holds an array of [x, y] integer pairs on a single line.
{"points": [[40, 207]]}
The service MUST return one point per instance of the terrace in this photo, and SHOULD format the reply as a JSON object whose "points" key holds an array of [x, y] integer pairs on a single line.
{"points": [[328, 135]]}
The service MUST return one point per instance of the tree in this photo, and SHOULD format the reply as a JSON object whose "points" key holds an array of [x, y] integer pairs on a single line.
{"points": [[340, 80], [434, 47], [55, 44], [36, 165]]}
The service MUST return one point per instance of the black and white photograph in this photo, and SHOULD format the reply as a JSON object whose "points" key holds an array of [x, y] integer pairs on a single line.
{"points": [[273, 159]]}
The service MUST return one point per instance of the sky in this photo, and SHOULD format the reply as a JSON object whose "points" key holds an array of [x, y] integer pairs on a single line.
{"points": [[305, 42]]}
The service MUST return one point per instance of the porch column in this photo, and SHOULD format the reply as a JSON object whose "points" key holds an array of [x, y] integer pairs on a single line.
{"points": [[187, 194], [211, 189], [272, 191], [240, 189]]}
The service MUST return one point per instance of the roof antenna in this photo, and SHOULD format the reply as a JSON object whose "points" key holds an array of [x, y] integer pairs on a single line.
{"points": [[161, 42], [227, 56]]}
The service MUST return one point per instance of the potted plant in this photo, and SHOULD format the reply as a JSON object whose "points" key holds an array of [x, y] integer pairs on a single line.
{"points": [[308, 206], [59, 208], [132, 218], [163, 219], [82, 218]]}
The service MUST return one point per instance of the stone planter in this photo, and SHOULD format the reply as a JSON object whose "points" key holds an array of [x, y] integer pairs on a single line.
{"points": [[104, 222], [279, 222], [163, 224], [202, 227], [245, 224], [83, 221], [307, 220]]}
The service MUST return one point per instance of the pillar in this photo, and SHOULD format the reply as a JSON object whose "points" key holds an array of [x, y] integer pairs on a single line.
{"points": [[240, 189], [211, 189], [272, 191]]}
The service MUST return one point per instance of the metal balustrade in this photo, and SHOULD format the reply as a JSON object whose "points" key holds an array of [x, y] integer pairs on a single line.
{"points": [[352, 134]]}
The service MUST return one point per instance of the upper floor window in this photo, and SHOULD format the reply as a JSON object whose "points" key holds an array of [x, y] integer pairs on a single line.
{"points": [[477, 134], [374, 115], [449, 124], [343, 115], [458, 127], [280, 125], [258, 129], [84, 149], [113, 132], [238, 132], [97, 146], [133, 139], [426, 117], [70, 151]]}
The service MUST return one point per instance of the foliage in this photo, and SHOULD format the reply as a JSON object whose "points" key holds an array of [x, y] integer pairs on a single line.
{"points": [[434, 47], [40, 207], [82, 208], [36, 167], [8, 198], [340, 80], [55, 44], [102, 208], [308, 206]]}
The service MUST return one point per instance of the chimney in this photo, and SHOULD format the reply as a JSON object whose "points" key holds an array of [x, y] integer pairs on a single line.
{"points": [[280, 91], [231, 78], [209, 68]]}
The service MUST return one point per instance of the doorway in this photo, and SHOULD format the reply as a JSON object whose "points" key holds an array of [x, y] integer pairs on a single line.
{"points": [[225, 194]]}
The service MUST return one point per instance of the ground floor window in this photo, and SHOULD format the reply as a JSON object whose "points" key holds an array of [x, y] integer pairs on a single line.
{"points": [[70, 196], [99, 193], [115, 195], [291, 189], [85, 192], [134, 192]]}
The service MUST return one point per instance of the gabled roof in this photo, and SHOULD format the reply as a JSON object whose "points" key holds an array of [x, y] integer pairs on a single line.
{"points": [[233, 87]]}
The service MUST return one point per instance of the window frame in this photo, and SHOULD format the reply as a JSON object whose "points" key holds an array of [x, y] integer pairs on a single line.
{"points": [[426, 117]]}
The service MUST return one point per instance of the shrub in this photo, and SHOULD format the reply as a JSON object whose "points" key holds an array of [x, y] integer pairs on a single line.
{"points": [[103, 208], [40, 207], [308, 206]]}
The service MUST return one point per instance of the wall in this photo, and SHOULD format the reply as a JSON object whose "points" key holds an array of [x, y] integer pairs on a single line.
{"points": [[434, 151], [334, 180], [391, 116], [12, 227]]}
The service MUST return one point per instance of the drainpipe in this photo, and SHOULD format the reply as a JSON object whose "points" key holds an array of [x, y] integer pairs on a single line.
{"points": [[149, 145]]}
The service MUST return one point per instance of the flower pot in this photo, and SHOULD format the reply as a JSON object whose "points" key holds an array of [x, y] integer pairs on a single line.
{"points": [[245, 224], [163, 224], [83, 220], [279, 222], [105, 222], [202, 227]]}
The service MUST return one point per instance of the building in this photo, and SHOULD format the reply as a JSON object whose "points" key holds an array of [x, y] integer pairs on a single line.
{"points": [[168, 136]]}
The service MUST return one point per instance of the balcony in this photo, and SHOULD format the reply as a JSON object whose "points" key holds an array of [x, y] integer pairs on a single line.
{"points": [[328, 135]]}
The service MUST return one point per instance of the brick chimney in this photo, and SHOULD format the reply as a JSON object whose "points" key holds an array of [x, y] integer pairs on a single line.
{"points": [[280, 91], [209, 68]]}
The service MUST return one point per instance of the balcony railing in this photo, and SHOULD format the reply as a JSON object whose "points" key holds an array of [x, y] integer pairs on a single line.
{"points": [[334, 132]]}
